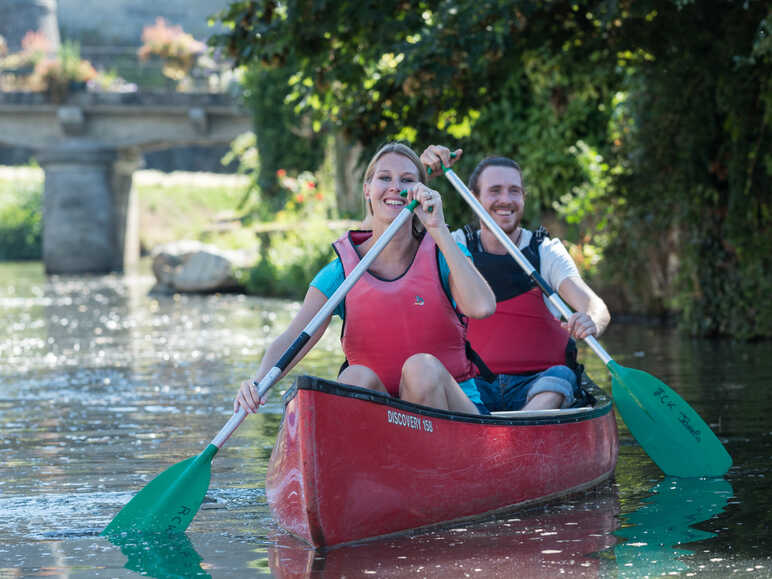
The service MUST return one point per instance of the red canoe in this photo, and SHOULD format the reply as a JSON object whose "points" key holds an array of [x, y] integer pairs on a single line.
{"points": [[350, 464]]}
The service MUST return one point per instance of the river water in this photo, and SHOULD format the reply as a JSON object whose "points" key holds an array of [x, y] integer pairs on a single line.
{"points": [[103, 386]]}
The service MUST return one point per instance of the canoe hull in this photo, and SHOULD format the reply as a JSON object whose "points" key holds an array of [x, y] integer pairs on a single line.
{"points": [[350, 465]]}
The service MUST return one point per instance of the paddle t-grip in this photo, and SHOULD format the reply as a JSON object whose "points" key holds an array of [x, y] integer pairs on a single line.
{"points": [[404, 194], [444, 168]]}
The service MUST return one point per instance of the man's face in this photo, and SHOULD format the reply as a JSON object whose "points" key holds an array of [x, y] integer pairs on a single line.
{"points": [[502, 195]]}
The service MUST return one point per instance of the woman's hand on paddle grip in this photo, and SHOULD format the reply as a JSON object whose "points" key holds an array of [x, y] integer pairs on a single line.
{"points": [[247, 398], [429, 210]]}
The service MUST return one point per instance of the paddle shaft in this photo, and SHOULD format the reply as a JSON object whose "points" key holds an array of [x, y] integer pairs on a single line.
{"points": [[316, 322], [522, 261]]}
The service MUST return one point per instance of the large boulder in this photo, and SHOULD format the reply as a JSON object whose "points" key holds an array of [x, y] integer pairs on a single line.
{"points": [[193, 267]]}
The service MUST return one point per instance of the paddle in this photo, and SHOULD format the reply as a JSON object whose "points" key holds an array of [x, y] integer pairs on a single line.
{"points": [[666, 427], [170, 501]]}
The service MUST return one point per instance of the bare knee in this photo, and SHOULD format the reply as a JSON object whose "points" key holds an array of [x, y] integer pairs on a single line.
{"points": [[361, 376], [421, 375]]}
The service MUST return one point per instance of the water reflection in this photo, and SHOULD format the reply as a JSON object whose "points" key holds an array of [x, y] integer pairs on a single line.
{"points": [[162, 556], [654, 531], [546, 543], [578, 537]]}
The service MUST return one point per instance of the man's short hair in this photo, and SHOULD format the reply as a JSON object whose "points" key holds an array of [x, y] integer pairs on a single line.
{"points": [[474, 180]]}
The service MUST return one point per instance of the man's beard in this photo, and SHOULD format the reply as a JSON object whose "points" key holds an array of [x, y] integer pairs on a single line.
{"points": [[511, 224]]}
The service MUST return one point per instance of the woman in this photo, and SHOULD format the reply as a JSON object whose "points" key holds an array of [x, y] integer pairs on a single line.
{"points": [[402, 331]]}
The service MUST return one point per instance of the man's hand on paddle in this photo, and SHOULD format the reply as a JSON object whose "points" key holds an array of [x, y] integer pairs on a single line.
{"points": [[435, 156], [580, 325]]}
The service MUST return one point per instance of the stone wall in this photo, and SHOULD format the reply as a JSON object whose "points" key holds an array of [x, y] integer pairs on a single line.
{"points": [[106, 29], [120, 22], [19, 16]]}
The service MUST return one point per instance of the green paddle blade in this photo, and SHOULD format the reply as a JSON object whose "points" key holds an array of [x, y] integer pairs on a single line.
{"points": [[170, 501], [666, 427]]}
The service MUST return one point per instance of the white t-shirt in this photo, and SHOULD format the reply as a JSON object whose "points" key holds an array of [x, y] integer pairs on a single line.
{"points": [[556, 264]]}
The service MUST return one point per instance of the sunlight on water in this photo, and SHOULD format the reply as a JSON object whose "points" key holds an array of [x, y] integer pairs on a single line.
{"points": [[104, 386]]}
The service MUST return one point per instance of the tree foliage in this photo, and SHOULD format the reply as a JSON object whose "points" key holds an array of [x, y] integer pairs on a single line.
{"points": [[649, 118], [284, 139], [487, 76], [699, 158]]}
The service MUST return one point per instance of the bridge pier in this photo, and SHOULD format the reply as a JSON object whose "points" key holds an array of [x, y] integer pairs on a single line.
{"points": [[89, 214], [89, 147]]}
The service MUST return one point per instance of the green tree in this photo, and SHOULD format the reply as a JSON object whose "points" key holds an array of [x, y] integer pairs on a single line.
{"points": [[284, 138], [484, 75], [649, 119]]}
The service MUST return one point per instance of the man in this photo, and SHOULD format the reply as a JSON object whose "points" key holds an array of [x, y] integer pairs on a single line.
{"points": [[523, 343]]}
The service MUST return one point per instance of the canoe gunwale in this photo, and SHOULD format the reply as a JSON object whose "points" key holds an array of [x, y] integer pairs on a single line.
{"points": [[603, 404]]}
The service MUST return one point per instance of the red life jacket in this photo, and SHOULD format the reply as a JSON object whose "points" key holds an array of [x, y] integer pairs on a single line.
{"points": [[386, 322], [522, 336]]}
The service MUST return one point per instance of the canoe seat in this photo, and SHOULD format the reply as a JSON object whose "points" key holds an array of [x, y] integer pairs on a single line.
{"points": [[540, 413]]}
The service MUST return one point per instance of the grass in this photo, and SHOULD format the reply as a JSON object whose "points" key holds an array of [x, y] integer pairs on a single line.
{"points": [[20, 216], [200, 206], [174, 206]]}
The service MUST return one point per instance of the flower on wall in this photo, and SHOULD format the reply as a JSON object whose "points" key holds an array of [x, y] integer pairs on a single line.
{"points": [[178, 49]]}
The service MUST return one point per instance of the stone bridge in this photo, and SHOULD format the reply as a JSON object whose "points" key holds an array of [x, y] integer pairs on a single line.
{"points": [[89, 146]]}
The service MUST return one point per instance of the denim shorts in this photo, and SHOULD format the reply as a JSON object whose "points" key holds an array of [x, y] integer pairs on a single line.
{"points": [[513, 391]]}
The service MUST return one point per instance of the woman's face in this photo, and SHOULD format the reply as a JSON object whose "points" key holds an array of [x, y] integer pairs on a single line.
{"points": [[393, 173]]}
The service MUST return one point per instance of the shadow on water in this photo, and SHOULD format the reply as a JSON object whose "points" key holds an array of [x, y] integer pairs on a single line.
{"points": [[655, 531]]}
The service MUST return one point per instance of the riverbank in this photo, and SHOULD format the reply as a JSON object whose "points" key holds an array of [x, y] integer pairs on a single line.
{"points": [[284, 253]]}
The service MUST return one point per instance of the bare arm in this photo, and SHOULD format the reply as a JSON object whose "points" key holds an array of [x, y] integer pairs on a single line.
{"points": [[591, 316], [313, 302]]}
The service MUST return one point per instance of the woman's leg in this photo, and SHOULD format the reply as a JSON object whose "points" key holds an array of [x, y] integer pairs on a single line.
{"points": [[363, 377], [427, 382]]}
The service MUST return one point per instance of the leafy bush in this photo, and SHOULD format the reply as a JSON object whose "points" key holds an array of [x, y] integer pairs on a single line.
{"points": [[290, 260], [648, 119], [21, 223], [284, 139]]}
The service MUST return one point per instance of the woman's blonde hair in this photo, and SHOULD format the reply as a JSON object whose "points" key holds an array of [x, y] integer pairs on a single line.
{"points": [[400, 149], [405, 151]]}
